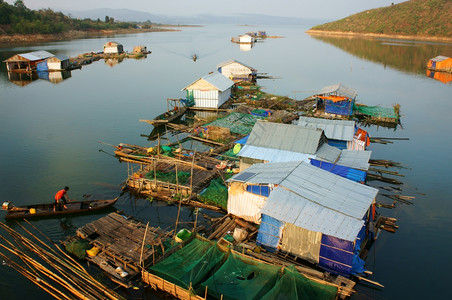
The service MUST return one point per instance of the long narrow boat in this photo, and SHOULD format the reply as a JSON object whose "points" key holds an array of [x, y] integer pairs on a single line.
{"points": [[48, 209]]}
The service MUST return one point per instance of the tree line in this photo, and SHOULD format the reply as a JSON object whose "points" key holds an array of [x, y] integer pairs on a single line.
{"points": [[17, 18]]}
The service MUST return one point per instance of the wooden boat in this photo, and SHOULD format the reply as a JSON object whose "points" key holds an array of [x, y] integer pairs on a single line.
{"points": [[48, 209], [175, 110]]}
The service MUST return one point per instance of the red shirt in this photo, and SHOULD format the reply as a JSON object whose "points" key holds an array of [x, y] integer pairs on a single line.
{"points": [[60, 194]]}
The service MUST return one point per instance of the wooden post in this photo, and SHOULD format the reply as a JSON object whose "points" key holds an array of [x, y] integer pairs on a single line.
{"points": [[191, 175], [196, 219], [142, 247]]}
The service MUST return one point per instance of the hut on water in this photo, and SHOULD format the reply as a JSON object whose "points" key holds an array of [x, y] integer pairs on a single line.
{"points": [[337, 99], [26, 62], [210, 91], [237, 71], [342, 134], [113, 47], [58, 63], [440, 63], [307, 212], [246, 39]]}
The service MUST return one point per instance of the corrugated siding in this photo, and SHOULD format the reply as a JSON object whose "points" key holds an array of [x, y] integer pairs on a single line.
{"points": [[273, 155], [355, 159], [328, 153], [334, 129], [273, 173], [339, 89], [301, 242], [244, 204], [206, 98], [285, 137]]}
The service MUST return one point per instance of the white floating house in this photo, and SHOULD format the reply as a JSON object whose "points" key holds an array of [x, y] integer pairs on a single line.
{"points": [[237, 71], [307, 212], [210, 91], [246, 39], [113, 47], [58, 62]]}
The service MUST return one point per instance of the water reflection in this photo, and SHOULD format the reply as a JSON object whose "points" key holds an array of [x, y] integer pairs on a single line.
{"points": [[54, 77], [246, 47], [411, 57], [22, 79], [440, 76]]}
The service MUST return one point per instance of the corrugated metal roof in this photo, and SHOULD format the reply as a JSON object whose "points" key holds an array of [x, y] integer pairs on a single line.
{"points": [[328, 153], [273, 155], [61, 57], [231, 61], [355, 159], [286, 137], [439, 58], [342, 130], [285, 205], [36, 55], [328, 199], [340, 89], [273, 173], [216, 79]]}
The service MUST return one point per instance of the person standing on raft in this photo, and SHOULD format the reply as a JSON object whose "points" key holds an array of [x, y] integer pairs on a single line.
{"points": [[61, 198]]}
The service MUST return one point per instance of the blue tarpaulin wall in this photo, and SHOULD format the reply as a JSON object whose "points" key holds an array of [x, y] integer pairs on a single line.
{"points": [[42, 66], [343, 171], [338, 144], [336, 255], [344, 108], [269, 234], [262, 190]]}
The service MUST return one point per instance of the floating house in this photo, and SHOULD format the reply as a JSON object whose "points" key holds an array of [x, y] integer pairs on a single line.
{"points": [[342, 134], [26, 62], [140, 49], [337, 99], [113, 47], [237, 71], [277, 142], [307, 212], [246, 39], [210, 91], [54, 63], [440, 63]]}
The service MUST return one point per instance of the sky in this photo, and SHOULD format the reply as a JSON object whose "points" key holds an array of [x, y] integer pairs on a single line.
{"points": [[325, 9]]}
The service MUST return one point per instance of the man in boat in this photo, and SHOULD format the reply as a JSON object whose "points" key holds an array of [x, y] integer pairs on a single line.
{"points": [[61, 198]]}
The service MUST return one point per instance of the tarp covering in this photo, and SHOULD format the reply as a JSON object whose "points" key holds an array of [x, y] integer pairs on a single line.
{"points": [[346, 172], [42, 66], [262, 190], [241, 278], [338, 144], [333, 98], [293, 285], [236, 122], [343, 108], [192, 264], [243, 140], [376, 111], [336, 255], [270, 231]]}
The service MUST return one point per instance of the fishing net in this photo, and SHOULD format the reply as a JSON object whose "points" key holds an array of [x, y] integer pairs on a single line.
{"points": [[78, 248], [237, 122], [375, 111], [182, 177], [216, 194]]}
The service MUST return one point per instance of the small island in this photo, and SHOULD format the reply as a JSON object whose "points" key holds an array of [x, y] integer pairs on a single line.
{"points": [[415, 19]]}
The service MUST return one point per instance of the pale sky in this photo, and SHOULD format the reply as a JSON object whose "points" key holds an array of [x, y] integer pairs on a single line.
{"points": [[324, 9]]}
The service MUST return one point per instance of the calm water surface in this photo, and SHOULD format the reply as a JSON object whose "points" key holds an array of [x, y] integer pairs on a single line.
{"points": [[50, 133]]}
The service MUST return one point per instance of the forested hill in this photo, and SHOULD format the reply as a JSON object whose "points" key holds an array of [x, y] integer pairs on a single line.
{"points": [[418, 18]]}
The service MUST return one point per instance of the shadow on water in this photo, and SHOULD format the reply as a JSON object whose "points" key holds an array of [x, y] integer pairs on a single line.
{"points": [[403, 55]]}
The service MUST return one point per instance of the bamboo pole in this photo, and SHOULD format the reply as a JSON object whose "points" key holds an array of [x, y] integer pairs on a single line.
{"points": [[142, 247]]}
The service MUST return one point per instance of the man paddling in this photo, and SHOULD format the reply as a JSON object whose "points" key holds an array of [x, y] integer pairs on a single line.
{"points": [[61, 198]]}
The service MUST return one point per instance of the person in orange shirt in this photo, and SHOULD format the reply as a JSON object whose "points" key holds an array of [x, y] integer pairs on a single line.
{"points": [[61, 198]]}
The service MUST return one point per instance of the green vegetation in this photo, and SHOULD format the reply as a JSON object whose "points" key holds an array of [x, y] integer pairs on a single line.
{"points": [[411, 18], [18, 18]]}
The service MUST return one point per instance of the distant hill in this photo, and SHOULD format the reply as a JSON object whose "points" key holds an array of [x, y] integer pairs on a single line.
{"points": [[127, 15], [417, 18]]}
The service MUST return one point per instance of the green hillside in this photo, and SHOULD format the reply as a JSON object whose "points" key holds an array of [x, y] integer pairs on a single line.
{"points": [[421, 18]]}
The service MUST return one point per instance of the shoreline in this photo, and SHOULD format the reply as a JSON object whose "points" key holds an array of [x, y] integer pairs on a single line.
{"points": [[378, 35], [7, 40]]}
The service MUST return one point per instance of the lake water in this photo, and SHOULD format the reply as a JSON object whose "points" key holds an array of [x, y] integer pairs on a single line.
{"points": [[50, 133]]}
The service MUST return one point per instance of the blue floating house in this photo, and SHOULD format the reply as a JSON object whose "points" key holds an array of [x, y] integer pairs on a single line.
{"points": [[337, 99], [307, 212]]}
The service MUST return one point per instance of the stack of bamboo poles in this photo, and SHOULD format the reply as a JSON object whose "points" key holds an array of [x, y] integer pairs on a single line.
{"points": [[49, 267]]}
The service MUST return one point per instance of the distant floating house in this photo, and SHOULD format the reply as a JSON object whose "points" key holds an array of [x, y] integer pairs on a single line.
{"points": [[307, 212], [113, 47], [26, 62], [210, 91], [337, 99], [140, 49], [342, 134], [237, 71], [246, 39], [440, 63], [54, 63]]}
